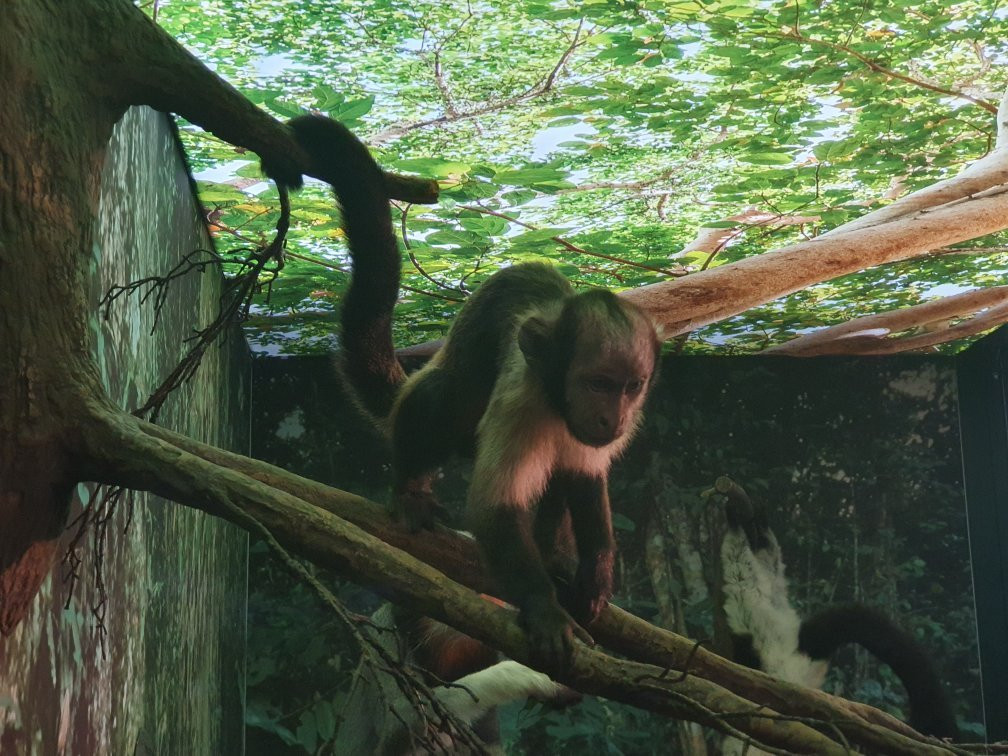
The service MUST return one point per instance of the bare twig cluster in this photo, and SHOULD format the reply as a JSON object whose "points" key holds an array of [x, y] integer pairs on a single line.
{"points": [[410, 680], [256, 271], [94, 518]]}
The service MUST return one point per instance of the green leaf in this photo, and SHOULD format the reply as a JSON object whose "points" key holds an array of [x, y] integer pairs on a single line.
{"points": [[537, 237], [325, 719], [352, 110], [451, 237], [485, 226], [529, 176], [767, 158], [307, 731], [432, 167], [285, 108], [518, 197]]}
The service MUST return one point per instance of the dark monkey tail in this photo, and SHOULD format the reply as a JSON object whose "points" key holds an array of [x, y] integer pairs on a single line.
{"points": [[825, 632], [367, 357]]}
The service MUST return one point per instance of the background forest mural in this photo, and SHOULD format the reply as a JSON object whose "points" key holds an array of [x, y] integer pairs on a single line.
{"points": [[856, 460]]}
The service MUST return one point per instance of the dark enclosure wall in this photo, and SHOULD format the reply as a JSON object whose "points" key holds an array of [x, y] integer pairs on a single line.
{"points": [[168, 676], [857, 461], [983, 390]]}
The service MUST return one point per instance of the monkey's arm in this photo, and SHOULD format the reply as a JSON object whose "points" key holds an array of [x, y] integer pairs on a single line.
{"points": [[517, 444], [504, 532], [591, 519]]}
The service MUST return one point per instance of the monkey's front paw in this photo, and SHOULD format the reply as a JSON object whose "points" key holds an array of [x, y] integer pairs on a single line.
{"points": [[419, 510], [551, 631]]}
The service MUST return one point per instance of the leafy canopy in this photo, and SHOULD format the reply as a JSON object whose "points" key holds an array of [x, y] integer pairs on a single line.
{"points": [[604, 135]]}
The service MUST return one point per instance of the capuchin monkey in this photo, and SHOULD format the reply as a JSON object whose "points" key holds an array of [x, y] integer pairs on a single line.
{"points": [[542, 385], [767, 633]]}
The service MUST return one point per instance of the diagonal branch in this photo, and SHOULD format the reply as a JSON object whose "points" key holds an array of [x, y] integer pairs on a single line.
{"points": [[796, 36], [120, 450], [968, 206], [151, 68], [990, 171], [715, 294], [540, 88], [182, 468], [982, 308]]}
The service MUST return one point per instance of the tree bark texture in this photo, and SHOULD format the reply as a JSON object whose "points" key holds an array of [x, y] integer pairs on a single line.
{"points": [[411, 583], [119, 683], [54, 128]]}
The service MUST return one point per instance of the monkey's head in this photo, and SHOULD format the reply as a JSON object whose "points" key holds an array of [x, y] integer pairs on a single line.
{"points": [[597, 361]]}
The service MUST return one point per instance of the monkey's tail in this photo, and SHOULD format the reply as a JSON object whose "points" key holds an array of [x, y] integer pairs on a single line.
{"points": [[823, 633], [367, 357]]}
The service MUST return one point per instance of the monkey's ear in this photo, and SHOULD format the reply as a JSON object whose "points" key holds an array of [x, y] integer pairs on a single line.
{"points": [[534, 339]]}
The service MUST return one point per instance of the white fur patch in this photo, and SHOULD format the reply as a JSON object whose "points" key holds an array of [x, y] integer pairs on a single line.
{"points": [[502, 683], [757, 604], [521, 441]]}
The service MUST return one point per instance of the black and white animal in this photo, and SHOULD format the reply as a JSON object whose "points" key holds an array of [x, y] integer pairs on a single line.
{"points": [[379, 719], [542, 385], [767, 633]]}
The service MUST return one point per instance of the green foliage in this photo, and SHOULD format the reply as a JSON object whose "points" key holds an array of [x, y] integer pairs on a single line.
{"points": [[299, 662], [628, 124]]}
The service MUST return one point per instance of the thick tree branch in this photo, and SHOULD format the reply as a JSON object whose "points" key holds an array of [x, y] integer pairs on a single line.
{"points": [[143, 65], [120, 450], [972, 204], [456, 556], [987, 172], [712, 295], [984, 308]]}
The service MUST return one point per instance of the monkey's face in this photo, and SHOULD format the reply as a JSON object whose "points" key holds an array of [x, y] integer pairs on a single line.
{"points": [[605, 387]]}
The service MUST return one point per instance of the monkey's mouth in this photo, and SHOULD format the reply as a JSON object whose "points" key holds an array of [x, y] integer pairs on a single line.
{"points": [[598, 440]]}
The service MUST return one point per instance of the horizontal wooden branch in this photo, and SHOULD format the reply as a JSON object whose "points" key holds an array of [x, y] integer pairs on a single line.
{"points": [[134, 454], [455, 555], [871, 334]]}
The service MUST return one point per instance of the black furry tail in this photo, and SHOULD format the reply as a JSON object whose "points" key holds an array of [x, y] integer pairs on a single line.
{"points": [[368, 358], [825, 632]]}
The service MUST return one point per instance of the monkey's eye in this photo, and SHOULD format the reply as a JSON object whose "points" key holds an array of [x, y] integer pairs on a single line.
{"points": [[600, 385], [634, 387]]}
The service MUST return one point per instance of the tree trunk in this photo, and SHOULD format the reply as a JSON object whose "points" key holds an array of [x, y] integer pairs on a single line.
{"points": [[54, 129], [70, 70]]}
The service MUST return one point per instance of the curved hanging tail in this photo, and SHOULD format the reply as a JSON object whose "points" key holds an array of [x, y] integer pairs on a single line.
{"points": [[826, 631], [368, 358]]}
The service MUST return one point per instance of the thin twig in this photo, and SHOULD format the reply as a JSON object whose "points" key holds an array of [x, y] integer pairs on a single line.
{"points": [[573, 247], [375, 655], [887, 72]]}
